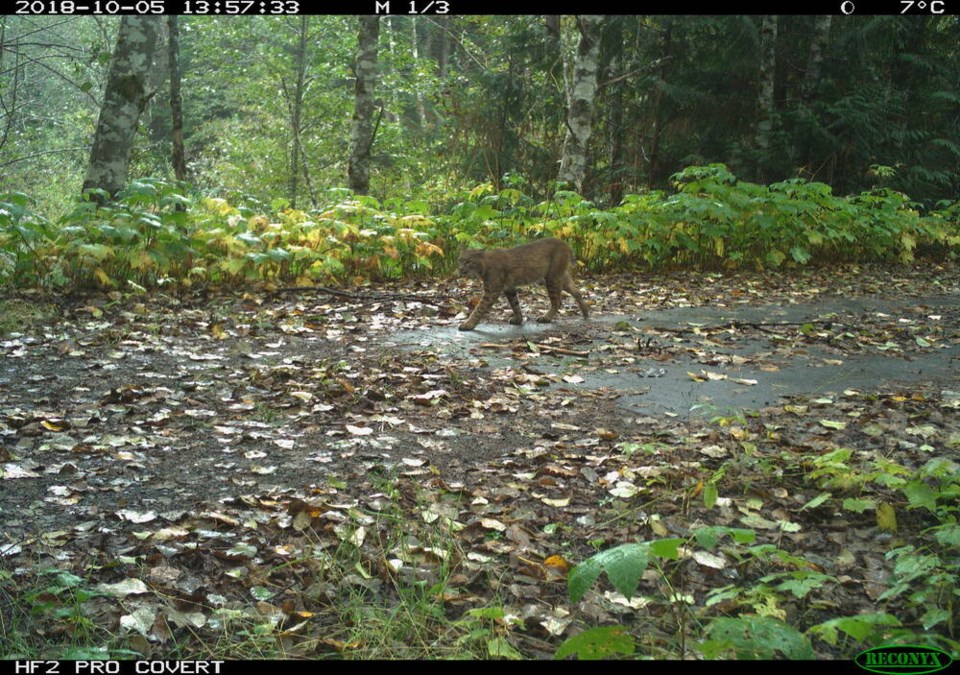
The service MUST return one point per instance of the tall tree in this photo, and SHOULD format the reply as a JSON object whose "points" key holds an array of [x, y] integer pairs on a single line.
{"points": [[615, 108], [818, 45], [765, 92], [124, 100], [178, 153], [362, 134], [580, 99], [656, 133], [421, 108], [9, 89], [295, 93]]}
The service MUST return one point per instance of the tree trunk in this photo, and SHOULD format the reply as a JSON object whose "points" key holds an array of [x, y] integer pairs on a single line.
{"points": [[8, 94], [580, 98], [124, 100], [765, 97], [656, 134], [361, 136], [818, 43], [615, 119], [552, 23], [295, 96], [178, 155], [418, 93], [443, 52]]}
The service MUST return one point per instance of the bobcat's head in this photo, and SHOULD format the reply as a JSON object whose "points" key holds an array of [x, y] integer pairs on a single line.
{"points": [[470, 264]]}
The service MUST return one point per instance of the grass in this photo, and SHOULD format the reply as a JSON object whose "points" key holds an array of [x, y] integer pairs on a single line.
{"points": [[18, 316]]}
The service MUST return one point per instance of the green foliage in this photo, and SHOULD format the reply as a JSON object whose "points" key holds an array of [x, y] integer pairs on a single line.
{"points": [[713, 220], [68, 601], [923, 583], [157, 232], [924, 579], [23, 238], [755, 637], [467, 99], [864, 628], [623, 565], [601, 642], [154, 234]]}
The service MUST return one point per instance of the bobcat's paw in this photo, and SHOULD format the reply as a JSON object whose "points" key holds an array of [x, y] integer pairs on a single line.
{"points": [[464, 326]]}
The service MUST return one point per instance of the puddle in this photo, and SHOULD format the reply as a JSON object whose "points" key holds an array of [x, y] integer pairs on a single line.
{"points": [[652, 387]]}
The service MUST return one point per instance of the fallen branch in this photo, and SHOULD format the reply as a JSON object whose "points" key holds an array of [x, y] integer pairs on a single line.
{"points": [[547, 349], [761, 325], [560, 350], [377, 297]]}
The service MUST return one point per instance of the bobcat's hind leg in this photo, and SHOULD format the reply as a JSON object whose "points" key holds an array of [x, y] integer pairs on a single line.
{"points": [[572, 290], [554, 288]]}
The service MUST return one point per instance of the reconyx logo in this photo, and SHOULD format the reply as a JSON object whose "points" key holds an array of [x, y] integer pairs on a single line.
{"points": [[903, 660]]}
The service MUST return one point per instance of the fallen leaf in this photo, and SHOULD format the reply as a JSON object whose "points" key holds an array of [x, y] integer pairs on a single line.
{"points": [[123, 588]]}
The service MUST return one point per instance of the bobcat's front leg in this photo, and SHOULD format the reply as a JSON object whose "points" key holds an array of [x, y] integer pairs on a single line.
{"points": [[479, 311], [514, 301]]}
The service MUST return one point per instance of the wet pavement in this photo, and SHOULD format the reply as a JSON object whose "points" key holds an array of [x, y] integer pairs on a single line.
{"points": [[760, 361]]}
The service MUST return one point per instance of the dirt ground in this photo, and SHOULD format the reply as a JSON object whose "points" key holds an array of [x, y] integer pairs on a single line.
{"points": [[191, 433]]}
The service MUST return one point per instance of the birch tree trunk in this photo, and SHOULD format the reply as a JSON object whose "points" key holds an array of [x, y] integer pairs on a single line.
{"points": [[124, 100], [418, 92], [361, 136], [580, 98]]}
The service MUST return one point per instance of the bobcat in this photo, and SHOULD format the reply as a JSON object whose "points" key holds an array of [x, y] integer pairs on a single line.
{"points": [[503, 269]]}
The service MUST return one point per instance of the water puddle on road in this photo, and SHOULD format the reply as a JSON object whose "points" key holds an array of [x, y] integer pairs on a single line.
{"points": [[709, 370]]}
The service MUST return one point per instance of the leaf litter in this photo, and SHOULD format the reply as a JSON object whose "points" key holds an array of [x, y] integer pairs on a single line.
{"points": [[204, 460]]}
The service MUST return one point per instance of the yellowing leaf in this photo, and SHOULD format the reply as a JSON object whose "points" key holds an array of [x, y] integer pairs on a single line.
{"points": [[557, 503], [492, 524], [558, 563], [624, 489], [657, 526], [886, 517], [54, 425]]}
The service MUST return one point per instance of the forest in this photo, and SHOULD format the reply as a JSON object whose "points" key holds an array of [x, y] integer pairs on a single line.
{"points": [[660, 141], [237, 419]]}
